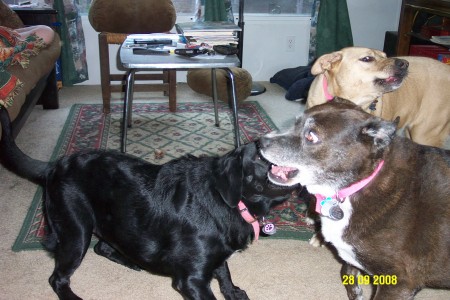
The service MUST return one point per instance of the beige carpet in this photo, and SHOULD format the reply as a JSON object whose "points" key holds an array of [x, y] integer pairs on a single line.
{"points": [[269, 269]]}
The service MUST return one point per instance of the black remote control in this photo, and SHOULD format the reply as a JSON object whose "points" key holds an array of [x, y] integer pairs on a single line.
{"points": [[153, 41], [149, 51]]}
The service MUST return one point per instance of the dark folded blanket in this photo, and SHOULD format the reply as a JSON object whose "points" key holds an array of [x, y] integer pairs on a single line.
{"points": [[295, 80]]}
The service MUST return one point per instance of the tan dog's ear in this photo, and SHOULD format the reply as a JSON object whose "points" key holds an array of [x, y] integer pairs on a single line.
{"points": [[324, 62]]}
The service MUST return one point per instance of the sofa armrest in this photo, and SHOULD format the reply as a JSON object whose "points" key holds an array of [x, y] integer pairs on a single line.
{"points": [[39, 66], [8, 18]]}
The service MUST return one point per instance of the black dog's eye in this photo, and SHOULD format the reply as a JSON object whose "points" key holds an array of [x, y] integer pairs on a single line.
{"points": [[249, 178], [311, 137], [367, 59]]}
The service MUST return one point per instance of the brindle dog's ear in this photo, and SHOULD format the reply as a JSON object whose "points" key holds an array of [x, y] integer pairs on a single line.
{"points": [[230, 177], [381, 132]]}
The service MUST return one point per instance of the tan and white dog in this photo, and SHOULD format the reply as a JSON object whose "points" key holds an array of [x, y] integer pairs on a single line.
{"points": [[417, 89]]}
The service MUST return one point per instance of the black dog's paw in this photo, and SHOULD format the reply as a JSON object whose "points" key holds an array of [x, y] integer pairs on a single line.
{"points": [[237, 294], [130, 265]]}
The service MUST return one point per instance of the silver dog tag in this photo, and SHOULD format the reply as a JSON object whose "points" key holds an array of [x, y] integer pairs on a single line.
{"points": [[331, 209], [336, 213]]}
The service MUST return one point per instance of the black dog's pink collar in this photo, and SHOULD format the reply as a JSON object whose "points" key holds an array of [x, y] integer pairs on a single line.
{"points": [[249, 218]]}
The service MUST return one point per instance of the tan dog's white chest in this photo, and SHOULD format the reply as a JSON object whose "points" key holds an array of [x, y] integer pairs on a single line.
{"points": [[333, 232]]}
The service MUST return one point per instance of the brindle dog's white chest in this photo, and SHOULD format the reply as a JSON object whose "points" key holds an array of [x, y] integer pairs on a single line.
{"points": [[333, 232]]}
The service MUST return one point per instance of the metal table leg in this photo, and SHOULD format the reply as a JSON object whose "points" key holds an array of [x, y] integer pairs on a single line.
{"points": [[234, 105], [214, 93], [127, 110]]}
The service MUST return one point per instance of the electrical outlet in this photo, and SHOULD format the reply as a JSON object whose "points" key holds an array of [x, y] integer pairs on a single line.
{"points": [[290, 44]]}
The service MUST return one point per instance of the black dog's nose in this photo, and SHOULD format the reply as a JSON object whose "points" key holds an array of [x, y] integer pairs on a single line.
{"points": [[401, 63]]}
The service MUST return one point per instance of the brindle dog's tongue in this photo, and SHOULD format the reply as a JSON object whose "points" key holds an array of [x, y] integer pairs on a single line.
{"points": [[283, 173]]}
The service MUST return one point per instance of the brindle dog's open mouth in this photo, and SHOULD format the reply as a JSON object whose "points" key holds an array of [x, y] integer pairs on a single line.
{"points": [[282, 174], [279, 174]]}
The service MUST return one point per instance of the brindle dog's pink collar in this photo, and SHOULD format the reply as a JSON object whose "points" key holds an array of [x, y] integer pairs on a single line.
{"points": [[325, 89], [344, 193], [249, 218]]}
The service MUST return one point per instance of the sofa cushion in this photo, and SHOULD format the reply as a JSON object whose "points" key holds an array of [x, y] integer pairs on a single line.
{"points": [[200, 81], [39, 66], [132, 16]]}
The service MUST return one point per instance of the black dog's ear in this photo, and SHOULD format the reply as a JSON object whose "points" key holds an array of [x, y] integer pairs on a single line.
{"points": [[381, 132], [230, 177]]}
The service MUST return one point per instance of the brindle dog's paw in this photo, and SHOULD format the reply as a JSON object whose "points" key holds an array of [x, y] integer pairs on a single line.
{"points": [[316, 240]]}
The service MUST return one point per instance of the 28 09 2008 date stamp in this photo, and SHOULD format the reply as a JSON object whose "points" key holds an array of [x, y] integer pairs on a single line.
{"points": [[369, 279]]}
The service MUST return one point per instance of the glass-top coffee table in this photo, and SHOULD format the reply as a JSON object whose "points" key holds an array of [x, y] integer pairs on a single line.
{"points": [[151, 62]]}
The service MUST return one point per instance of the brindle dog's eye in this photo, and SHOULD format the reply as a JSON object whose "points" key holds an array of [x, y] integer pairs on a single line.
{"points": [[311, 137], [367, 59]]}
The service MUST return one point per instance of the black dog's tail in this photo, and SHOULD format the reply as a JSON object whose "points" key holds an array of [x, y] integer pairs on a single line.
{"points": [[14, 159]]}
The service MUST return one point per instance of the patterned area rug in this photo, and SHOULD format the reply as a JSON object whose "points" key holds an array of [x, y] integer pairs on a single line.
{"points": [[190, 130]]}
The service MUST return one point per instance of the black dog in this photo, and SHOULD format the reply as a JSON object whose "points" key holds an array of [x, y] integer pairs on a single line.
{"points": [[179, 219]]}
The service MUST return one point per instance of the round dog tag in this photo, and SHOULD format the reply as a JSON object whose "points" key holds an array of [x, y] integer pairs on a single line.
{"points": [[269, 229], [336, 213], [331, 209]]}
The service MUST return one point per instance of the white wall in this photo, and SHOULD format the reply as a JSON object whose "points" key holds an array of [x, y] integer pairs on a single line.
{"points": [[266, 48], [370, 19], [266, 38]]}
